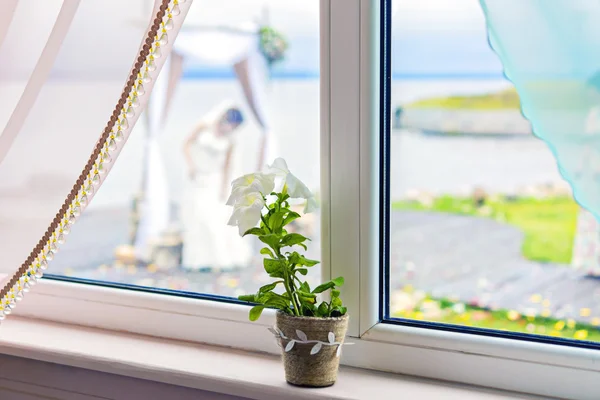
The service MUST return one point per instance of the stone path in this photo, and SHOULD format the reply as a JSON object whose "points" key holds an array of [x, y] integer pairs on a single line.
{"points": [[89, 254], [478, 261], [466, 259]]}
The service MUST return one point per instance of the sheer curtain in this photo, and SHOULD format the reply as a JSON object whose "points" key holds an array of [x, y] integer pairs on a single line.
{"points": [[63, 68], [549, 50]]}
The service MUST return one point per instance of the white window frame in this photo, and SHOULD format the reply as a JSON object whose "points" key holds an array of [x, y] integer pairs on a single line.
{"points": [[350, 65]]}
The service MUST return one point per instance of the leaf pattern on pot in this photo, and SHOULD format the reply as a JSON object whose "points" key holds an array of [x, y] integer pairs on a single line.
{"points": [[316, 348], [289, 346], [303, 339], [301, 335], [331, 337]]}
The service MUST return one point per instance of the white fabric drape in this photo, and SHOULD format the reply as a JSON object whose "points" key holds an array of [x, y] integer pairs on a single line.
{"points": [[7, 11], [63, 123], [39, 76]]}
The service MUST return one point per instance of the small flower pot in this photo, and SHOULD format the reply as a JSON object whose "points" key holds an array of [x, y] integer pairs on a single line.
{"points": [[311, 348]]}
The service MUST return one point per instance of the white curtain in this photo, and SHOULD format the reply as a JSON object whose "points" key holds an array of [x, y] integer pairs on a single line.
{"points": [[63, 65]]}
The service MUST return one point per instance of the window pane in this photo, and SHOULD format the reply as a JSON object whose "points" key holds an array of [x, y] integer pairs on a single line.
{"points": [[69, 112], [484, 232], [160, 219]]}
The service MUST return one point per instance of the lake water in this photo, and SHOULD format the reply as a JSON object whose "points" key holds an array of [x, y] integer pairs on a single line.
{"points": [[432, 163], [456, 165]]}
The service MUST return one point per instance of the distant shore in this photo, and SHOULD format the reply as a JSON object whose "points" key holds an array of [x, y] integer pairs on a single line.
{"points": [[463, 122], [491, 114]]}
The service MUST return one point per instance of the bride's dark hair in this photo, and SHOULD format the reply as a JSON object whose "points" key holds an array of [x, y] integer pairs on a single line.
{"points": [[234, 116]]}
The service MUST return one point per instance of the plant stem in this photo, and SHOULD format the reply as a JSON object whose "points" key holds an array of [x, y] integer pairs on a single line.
{"points": [[294, 290], [290, 290], [262, 217], [291, 294]]}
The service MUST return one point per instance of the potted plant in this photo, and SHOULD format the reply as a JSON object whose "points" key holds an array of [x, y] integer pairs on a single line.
{"points": [[309, 330]]}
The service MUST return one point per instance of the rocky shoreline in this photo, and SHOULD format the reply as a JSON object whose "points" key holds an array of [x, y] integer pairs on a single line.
{"points": [[462, 122]]}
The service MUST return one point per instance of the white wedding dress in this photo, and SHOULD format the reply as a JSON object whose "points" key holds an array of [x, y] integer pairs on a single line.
{"points": [[208, 241]]}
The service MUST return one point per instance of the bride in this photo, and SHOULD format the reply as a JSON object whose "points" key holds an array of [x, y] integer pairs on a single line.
{"points": [[209, 155]]}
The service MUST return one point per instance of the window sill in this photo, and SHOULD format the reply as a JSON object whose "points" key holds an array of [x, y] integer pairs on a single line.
{"points": [[209, 368]]}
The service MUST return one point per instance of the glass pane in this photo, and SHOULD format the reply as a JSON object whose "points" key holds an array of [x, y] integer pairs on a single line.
{"points": [[70, 112], [29, 28], [160, 219], [484, 232]]}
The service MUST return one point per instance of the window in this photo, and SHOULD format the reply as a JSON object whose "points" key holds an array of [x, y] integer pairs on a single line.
{"points": [[369, 157], [484, 231], [159, 220]]}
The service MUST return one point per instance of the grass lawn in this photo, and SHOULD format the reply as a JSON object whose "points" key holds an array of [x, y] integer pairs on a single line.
{"points": [[448, 312], [548, 223]]}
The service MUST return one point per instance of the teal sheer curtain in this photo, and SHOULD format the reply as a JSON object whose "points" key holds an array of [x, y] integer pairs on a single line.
{"points": [[550, 50]]}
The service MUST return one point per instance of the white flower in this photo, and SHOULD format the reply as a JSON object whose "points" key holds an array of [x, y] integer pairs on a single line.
{"points": [[247, 211], [295, 187], [251, 183]]}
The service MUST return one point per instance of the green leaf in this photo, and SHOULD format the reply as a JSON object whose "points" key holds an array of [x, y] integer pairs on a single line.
{"points": [[267, 251], [307, 294], [323, 310], [292, 216], [294, 258], [254, 231], [336, 302], [248, 297], [339, 281], [255, 312], [303, 271], [276, 220], [307, 300], [309, 310], [273, 266], [307, 262], [323, 287], [299, 259], [304, 286], [343, 310], [275, 300], [269, 287], [335, 293], [270, 239], [292, 239]]}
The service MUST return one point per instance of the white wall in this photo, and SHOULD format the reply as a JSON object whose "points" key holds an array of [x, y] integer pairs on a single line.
{"points": [[24, 379]]}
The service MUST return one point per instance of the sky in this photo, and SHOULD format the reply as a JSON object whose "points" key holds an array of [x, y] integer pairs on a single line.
{"points": [[430, 37]]}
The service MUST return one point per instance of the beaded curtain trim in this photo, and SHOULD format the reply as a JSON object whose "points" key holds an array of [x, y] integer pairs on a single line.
{"points": [[107, 148]]}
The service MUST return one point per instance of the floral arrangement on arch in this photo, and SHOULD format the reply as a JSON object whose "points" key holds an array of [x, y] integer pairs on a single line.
{"points": [[273, 45]]}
